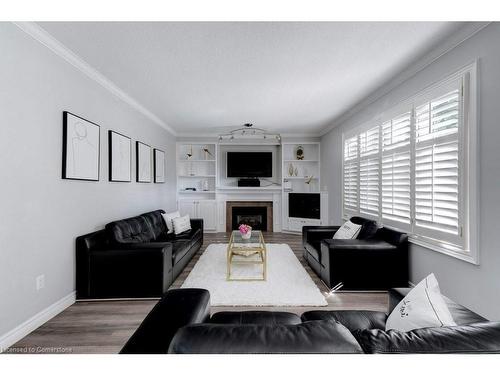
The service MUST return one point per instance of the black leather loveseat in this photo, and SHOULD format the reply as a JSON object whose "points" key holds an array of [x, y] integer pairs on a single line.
{"points": [[133, 257], [376, 260], [181, 323]]}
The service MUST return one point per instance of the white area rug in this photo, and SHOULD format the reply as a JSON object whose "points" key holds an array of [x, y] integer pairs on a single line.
{"points": [[287, 284]]}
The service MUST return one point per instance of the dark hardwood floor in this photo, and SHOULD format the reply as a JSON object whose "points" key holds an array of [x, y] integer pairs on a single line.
{"points": [[105, 326]]}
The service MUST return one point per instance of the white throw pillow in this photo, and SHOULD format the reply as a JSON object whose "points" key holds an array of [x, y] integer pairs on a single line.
{"points": [[168, 217], [423, 307], [347, 231], [181, 224]]}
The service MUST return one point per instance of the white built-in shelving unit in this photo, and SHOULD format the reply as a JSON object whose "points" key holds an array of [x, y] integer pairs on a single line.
{"points": [[203, 188]]}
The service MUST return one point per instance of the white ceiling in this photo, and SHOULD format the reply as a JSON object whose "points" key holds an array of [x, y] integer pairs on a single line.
{"points": [[202, 77]]}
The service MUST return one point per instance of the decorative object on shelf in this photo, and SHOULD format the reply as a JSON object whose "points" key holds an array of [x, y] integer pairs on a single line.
{"points": [[189, 155], [246, 231], [80, 156], [296, 171], [159, 166], [206, 153], [190, 189], [299, 153], [249, 132], [143, 163], [204, 185], [308, 181], [120, 157], [287, 186], [290, 169], [191, 169]]}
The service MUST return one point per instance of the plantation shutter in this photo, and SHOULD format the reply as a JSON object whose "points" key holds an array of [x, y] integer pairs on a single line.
{"points": [[437, 161], [351, 170], [396, 167], [369, 172]]}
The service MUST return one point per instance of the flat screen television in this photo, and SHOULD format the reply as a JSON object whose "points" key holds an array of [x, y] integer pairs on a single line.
{"points": [[249, 164], [304, 205]]}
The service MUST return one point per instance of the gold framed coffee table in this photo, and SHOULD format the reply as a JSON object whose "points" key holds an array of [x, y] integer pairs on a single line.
{"points": [[246, 251]]}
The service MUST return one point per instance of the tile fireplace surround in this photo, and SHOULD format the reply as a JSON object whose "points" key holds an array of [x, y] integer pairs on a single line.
{"points": [[233, 204]]}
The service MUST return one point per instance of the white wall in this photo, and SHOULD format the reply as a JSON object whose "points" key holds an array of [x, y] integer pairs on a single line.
{"points": [[474, 286], [40, 213]]}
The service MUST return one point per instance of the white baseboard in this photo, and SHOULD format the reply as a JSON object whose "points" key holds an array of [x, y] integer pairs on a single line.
{"points": [[28, 326]]}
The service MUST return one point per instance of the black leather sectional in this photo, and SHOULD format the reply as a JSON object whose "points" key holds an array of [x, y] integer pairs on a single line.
{"points": [[181, 323], [133, 257], [376, 260]]}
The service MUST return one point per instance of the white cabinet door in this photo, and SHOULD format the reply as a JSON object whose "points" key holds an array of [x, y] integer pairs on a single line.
{"points": [[207, 210], [188, 207]]}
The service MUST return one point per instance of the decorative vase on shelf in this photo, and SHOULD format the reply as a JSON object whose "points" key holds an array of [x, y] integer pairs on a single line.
{"points": [[290, 170], [296, 171]]}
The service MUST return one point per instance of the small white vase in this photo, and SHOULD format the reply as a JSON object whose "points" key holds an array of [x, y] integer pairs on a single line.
{"points": [[247, 235]]}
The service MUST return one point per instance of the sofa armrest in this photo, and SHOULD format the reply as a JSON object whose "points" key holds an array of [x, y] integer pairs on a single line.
{"points": [[130, 272], [197, 224], [338, 245], [473, 338], [317, 233], [176, 309]]}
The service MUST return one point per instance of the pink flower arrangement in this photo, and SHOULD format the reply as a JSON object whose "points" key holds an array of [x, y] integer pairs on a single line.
{"points": [[244, 229]]}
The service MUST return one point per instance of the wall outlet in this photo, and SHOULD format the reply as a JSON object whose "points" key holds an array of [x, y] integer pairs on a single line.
{"points": [[40, 282]]}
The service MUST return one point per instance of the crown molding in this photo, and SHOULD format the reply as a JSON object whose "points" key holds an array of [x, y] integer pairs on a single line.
{"points": [[42, 36], [466, 32]]}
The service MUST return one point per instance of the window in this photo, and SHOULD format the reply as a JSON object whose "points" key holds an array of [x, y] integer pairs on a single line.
{"points": [[408, 169]]}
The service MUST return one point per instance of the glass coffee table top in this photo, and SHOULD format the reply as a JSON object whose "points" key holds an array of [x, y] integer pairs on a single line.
{"points": [[255, 237]]}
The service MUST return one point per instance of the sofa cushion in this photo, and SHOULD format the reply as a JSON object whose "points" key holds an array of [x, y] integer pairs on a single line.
{"points": [[310, 337], [461, 314], [255, 317], [155, 220], [131, 230], [423, 307], [474, 338], [192, 234], [352, 319], [314, 249], [369, 227], [179, 249]]}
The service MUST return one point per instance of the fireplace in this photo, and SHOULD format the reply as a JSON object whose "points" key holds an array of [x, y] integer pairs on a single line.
{"points": [[259, 215]]}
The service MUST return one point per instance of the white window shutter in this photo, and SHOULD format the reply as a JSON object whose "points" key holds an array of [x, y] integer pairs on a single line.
{"points": [[351, 175], [437, 178], [369, 172], [396, 171]]}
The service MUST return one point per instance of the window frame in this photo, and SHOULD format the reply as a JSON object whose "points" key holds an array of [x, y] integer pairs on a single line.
{"points": [[468, 249]]}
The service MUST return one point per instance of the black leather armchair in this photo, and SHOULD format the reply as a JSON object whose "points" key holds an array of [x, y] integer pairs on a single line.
{"points": [[376, 260], [134, 257]]}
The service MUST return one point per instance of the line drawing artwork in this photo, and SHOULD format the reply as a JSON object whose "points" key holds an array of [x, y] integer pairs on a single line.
{"points": [[144, 162], [159, 166], [120, 160], [82, 143]]}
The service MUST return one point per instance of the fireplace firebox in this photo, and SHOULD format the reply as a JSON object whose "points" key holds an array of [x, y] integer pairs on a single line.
{"points": [[259, 215]]}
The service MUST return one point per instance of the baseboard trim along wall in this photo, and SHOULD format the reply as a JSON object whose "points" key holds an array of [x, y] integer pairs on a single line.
{"points": [[25, 328]]}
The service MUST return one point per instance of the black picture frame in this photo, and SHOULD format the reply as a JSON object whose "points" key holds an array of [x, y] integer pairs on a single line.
{"points": [[139, 165], [69, 169], [158, 153], [111, 177]]}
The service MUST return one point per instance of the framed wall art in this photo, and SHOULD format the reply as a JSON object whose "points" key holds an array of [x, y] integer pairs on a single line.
{"points": [[81, 148], [159, 166], [120, 157], [143, 162]]}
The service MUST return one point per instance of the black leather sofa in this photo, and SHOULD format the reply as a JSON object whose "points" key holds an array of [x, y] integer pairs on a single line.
{"points": [[181, 323], [376, 260], [134, 257]]}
